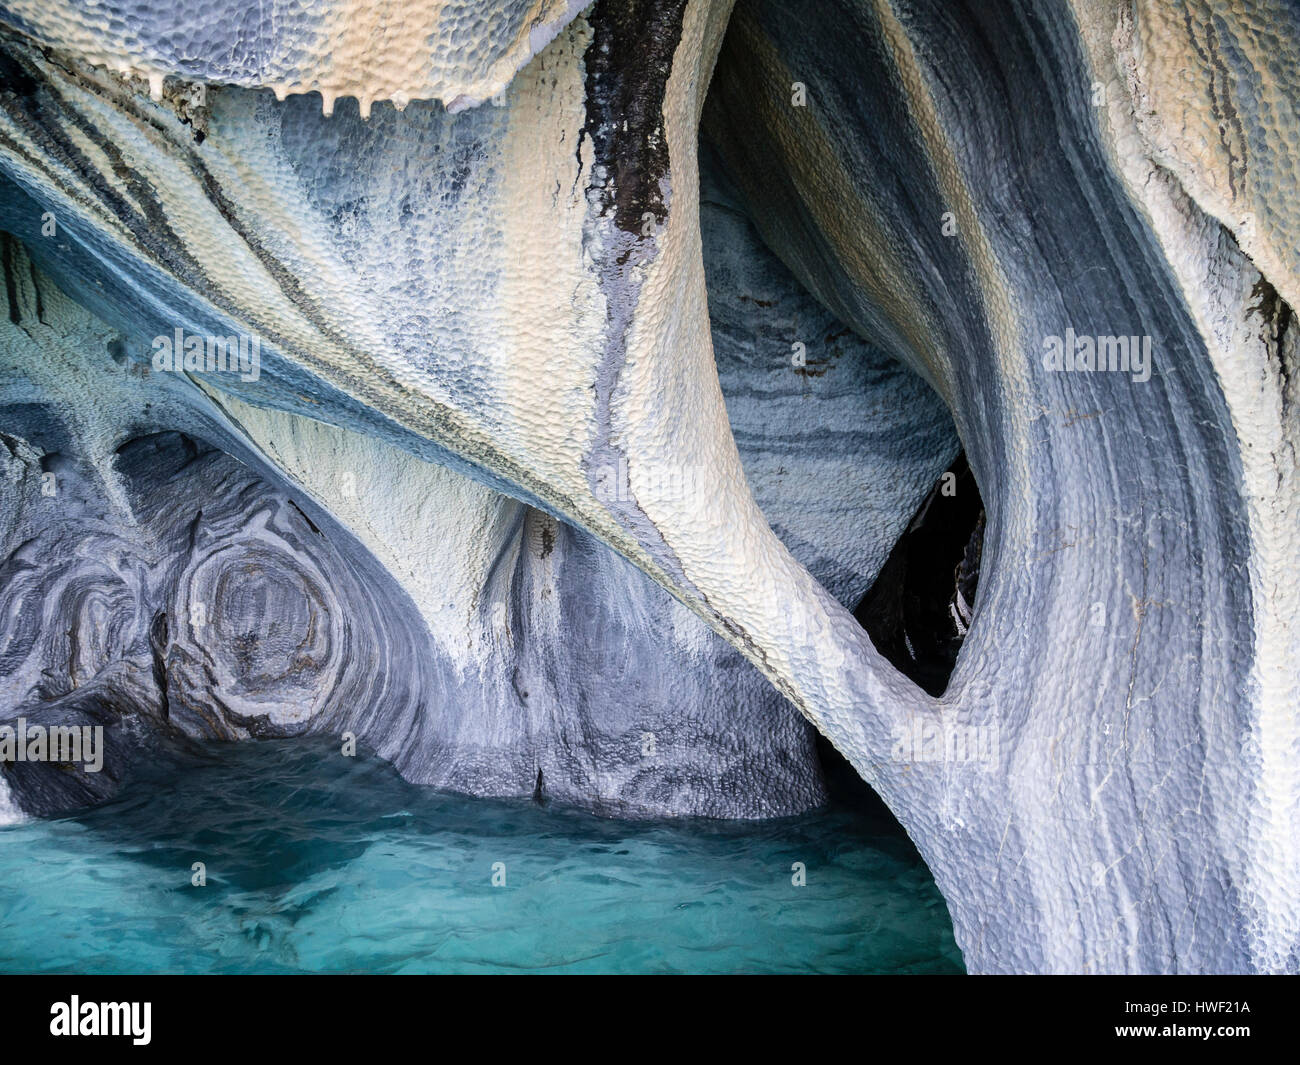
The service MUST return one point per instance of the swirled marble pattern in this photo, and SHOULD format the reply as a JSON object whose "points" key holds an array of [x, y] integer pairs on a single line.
{"points": [[488, 363]]}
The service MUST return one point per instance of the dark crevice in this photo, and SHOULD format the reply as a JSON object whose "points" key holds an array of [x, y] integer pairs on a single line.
{"points": [[628, 64], [310, 524], [846, 788], [1276, 315], [159, 640], [919, 609], [7, 245]]}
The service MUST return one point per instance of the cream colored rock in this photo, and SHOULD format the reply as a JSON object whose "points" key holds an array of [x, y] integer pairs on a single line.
{"points": [[461, 53]]}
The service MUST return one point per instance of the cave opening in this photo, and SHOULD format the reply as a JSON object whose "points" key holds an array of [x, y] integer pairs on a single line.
{"points": [[922, 603], [851, 454]]}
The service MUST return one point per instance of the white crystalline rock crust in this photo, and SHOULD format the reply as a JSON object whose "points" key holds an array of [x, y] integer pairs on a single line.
{"points": [[1214, 88], [1203, 118], [461, 52], [436, 532]]}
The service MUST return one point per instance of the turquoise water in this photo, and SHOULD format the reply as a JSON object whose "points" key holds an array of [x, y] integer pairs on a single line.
{"points": [[321, 864]]}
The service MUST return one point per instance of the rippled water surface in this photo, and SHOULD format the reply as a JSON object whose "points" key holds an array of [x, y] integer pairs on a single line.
{"points": [[320, 863]]}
